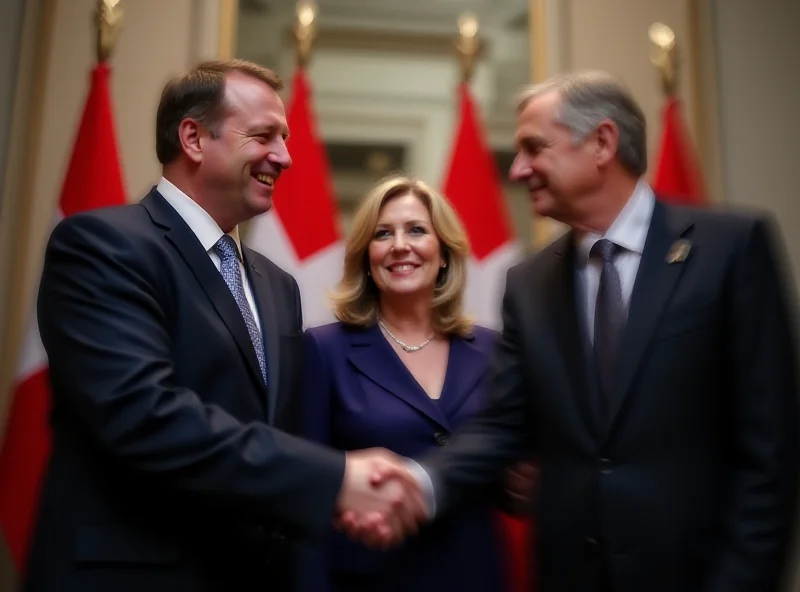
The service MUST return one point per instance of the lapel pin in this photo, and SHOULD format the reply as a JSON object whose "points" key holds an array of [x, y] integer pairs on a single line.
{"points": [[679, 251]]}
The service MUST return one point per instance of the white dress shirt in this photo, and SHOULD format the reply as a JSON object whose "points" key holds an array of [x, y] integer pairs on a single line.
{"points": [[207, 232], [628, 231]]}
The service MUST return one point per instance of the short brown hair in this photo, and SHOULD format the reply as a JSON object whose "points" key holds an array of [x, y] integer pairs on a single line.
{"points": [[356, 297], [200, 95]]}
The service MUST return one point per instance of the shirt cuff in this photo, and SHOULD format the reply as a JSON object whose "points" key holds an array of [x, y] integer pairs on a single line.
{"points": [[425, 484]]}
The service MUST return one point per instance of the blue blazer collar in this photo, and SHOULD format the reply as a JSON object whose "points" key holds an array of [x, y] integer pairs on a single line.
{"points": [[374, 357]]}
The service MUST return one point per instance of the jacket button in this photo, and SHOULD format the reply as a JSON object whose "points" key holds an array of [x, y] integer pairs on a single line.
{"points": [[442, 438], [605, 465]]}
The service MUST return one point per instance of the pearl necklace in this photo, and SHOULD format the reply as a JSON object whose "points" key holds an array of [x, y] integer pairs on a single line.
{"points": [[405, 346]]}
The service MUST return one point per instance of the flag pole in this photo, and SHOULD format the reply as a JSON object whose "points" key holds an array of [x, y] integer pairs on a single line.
{"points": [[468, 45], [305, 31], [108, 20], [665, 57], [677, 176]]}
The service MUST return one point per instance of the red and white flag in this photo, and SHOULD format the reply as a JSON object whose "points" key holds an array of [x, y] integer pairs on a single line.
{"points": [[677, 178], [93, 180], [473, 187], [301, 232]]}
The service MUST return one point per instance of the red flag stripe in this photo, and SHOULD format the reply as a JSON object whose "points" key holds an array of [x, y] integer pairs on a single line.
{"points": [[518, 548], [93, 179], [677, 178], [25, 451], [303, 195], [94, 176], [473, 184]]}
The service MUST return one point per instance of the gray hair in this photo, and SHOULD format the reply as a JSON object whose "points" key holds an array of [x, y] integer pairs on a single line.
{"points": [[587, 99]]}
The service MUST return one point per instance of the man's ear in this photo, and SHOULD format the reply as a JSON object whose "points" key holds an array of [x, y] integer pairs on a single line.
{"points": [[607, 141], [190, 133]]}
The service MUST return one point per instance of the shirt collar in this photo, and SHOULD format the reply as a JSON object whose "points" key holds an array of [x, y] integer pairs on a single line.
{"points": [[629, 229], [199, 221]]}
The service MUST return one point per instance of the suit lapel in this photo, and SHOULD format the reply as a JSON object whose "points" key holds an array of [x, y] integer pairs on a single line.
{"points": [[265, 302], [374, 358], [655, 281], [565, 307], [466, 365], [181, 236]]}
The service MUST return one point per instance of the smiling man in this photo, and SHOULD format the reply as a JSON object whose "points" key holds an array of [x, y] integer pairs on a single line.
{"points": [[175, 360]]}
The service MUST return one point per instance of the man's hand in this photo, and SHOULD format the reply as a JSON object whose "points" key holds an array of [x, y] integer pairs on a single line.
{"points": [[383, 514]]}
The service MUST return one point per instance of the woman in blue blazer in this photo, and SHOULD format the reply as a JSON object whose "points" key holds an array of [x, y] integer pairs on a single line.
{"points": [[402, 369]]}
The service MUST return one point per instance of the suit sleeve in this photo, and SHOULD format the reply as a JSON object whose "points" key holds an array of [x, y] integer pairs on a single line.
{"points": [[499, 495], [105, 332], [477, 455], [761, 357], [313, 561]]}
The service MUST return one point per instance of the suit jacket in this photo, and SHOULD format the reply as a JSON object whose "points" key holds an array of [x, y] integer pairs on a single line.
{"points": [[690, 482], [359, 394], [165, 473]]}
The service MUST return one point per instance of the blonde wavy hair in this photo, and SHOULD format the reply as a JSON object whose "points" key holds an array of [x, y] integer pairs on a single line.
{"points": [[356, 297]]}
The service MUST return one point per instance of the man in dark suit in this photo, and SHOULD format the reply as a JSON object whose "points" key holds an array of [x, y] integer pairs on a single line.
{"points": [[174, 358], [647, 358]]}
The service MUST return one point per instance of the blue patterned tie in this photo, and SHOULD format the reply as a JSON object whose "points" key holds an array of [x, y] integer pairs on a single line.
{"points": [[229, 268], [609, 316]]}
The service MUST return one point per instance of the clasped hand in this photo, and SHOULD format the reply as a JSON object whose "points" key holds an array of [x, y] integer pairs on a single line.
{"points": [[380, 502]]}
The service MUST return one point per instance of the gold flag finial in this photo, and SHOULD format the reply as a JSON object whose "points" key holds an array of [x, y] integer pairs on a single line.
{"points": [[305, 31], [468, 44], [108, 19], [665, 56]]}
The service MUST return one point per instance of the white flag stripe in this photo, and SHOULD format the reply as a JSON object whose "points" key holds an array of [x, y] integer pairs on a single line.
{"points": [[315, 275], [32, 357], [485, 284]]}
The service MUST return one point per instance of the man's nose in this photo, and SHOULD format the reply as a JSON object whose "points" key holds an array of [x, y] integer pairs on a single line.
{"points": [[280, 156], [520, 168]]}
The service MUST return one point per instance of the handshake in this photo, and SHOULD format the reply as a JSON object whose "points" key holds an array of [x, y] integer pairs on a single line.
{"points": [[381, 501]]}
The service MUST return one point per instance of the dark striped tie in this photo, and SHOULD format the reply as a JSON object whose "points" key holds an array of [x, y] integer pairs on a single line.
{"points": [[609, 317]]}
